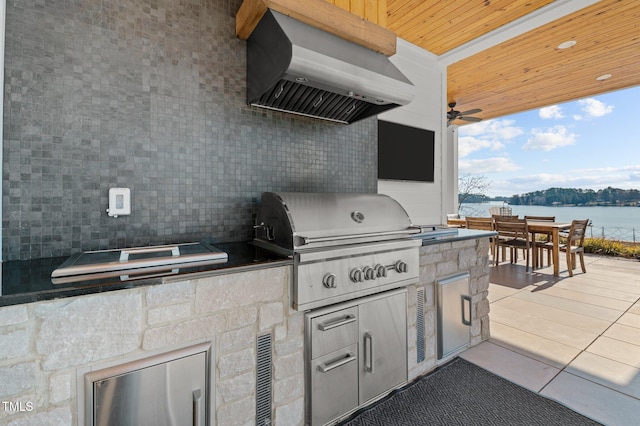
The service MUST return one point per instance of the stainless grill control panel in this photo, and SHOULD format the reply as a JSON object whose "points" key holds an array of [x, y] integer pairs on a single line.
{"points": [[335, 280]]}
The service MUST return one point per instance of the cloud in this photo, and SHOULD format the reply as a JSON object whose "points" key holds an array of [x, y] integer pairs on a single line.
{"points": [[492, 129], [553, 111], [542, 180], [550, 139], [486, 166], [490, 134], [595, 108], [626, 169], [624, 177], [469, 144]]}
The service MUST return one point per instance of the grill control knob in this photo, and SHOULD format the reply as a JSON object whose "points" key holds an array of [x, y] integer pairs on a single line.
{"points": [[369, 273], [381, 270], [401, 266], [329, 280], [356, 275]]}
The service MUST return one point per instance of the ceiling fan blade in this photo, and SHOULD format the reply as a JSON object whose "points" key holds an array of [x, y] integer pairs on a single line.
{"points": [[471, 111], [474, 119], [449, 121]]}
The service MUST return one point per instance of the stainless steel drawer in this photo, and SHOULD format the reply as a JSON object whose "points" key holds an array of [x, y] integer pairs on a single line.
{"points": [[333, 331], [334, 385]]}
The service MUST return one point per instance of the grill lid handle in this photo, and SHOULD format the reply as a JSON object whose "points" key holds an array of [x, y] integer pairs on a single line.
{"points": [[310, 240]]}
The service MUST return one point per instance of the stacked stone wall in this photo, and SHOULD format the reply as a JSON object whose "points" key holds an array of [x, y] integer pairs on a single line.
{"points": [[46, 346], [444, 260]]}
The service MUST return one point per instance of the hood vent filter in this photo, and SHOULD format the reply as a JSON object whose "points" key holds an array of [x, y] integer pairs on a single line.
{"points": [[305, 100]]}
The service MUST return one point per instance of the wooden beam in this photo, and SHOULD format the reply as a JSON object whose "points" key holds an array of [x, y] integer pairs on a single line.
{"points": [[248, 16], [320, 14]]}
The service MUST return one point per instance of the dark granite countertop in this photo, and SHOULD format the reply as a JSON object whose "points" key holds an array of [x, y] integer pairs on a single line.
{"points": [[30, 280]]}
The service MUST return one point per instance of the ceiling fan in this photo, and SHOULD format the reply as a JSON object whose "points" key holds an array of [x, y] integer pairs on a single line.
{"points": [[453, 115]]}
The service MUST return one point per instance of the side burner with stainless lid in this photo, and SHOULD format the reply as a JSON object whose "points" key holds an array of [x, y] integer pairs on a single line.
{"points": [[344, 246], [148, 259]]}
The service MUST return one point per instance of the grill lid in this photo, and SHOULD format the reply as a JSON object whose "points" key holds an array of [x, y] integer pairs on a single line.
{"points": [[295, 220]]}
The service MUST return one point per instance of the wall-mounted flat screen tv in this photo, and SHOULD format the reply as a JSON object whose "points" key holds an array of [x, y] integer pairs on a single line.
{"points": [[405, 152]]}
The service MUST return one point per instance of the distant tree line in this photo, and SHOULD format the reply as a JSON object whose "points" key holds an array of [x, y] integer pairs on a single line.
{"points": [[578, 197]]}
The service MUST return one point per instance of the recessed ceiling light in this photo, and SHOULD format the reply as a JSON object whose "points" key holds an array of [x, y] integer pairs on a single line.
{"points": [[567, 44], [604, 77]]}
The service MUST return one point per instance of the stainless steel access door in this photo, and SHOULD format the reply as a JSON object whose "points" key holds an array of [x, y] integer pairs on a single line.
{"points": [[167, 394], [454, 314], [383, 344]]}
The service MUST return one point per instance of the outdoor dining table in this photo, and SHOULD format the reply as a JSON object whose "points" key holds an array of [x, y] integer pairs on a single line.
{"points": [[545, 227]]}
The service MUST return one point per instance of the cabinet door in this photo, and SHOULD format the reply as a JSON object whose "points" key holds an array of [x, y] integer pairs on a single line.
{"points": [[383, 344], [454, 314], [168, 394]]}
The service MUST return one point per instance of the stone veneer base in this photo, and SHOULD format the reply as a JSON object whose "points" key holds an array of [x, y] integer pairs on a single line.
{"points": [[46, 346]]}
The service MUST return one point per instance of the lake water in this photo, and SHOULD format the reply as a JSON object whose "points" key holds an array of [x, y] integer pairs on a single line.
{"points": [[621, 223]]}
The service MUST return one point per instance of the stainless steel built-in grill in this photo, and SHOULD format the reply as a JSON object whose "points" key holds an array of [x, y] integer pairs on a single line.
{"points": [[344, 246], [347, 248]]}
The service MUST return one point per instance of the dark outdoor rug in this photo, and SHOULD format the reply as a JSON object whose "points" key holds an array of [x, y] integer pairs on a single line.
{"points": [[461, 393]]}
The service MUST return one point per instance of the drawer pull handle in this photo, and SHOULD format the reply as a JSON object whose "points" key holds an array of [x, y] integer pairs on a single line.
{"points": [[337, 323], [349, 357]]}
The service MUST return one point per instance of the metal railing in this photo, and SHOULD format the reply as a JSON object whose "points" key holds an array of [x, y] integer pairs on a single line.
{"points": [[608, 233], [614, 233]]}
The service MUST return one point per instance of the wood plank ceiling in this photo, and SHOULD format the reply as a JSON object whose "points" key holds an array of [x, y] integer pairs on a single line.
{"points": [[527, 71]]}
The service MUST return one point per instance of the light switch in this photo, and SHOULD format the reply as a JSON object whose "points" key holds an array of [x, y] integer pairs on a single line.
{"points": [[119, 202]]}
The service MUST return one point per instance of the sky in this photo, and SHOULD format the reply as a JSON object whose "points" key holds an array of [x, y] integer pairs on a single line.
{"points": [[590, 143]]}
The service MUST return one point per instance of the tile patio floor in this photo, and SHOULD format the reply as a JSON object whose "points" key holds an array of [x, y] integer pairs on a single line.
{"points": [[575, 339]]}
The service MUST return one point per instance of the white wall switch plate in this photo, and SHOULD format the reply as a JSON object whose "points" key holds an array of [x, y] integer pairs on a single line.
{"points": [[119, 202]]}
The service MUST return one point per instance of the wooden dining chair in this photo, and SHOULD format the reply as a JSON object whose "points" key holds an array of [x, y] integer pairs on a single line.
{"points": [[482, 224], [501, 218], [574, 245], [538, 247], [512, 234], [494, 211]]}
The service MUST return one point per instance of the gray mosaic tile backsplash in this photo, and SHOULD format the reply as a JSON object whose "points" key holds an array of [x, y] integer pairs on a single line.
{"points": [[149, 95]]}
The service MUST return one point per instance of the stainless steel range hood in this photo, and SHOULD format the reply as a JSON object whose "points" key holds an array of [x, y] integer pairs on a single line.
{"points": [[297, 68]]}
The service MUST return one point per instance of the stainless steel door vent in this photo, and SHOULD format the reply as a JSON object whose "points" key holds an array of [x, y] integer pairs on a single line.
{"points": [[420, 343], [263, 380]]}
